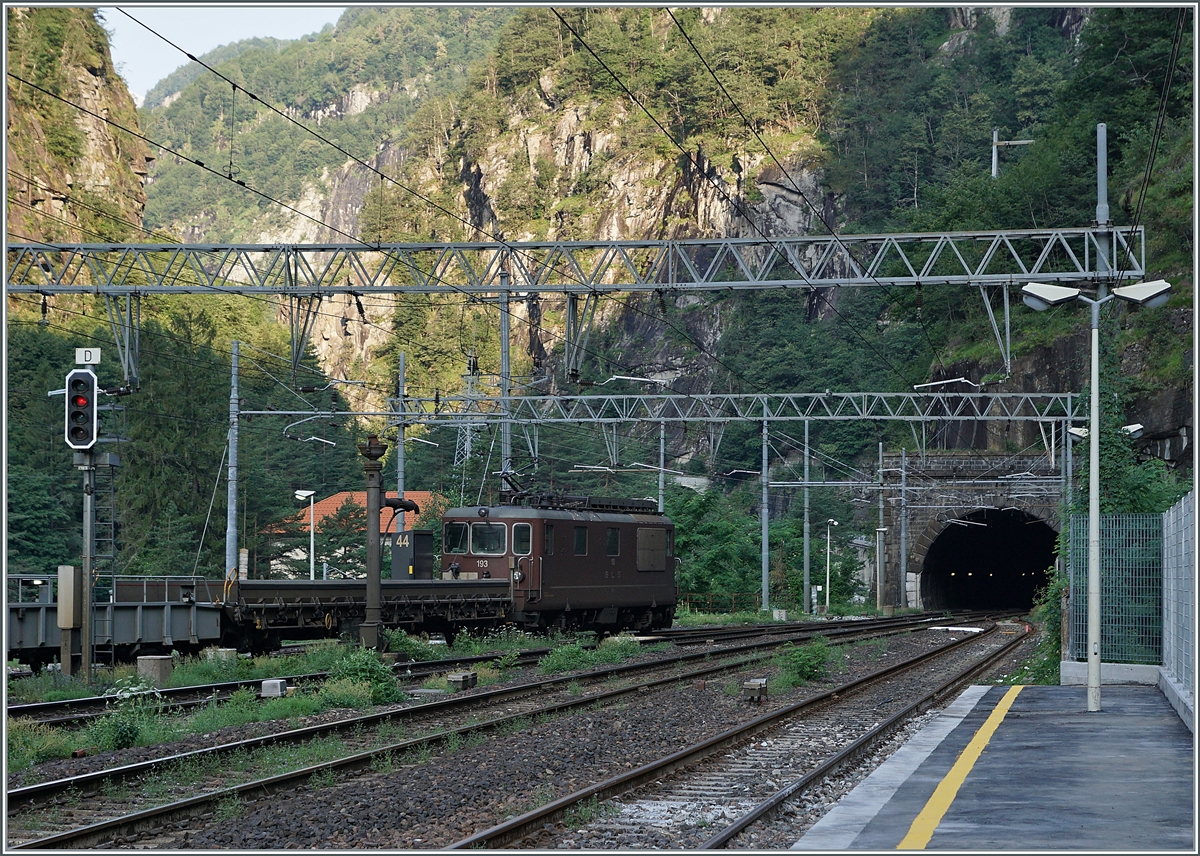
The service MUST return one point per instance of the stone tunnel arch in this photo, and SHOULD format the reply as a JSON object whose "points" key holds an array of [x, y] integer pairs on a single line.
{"points": [[986, 558]]}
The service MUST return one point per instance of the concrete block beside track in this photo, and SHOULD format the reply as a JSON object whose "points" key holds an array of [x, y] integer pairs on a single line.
{"points": [[156, 668]]}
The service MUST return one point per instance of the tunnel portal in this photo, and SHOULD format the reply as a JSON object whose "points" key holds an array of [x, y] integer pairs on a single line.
{"points": [[989, 559]]}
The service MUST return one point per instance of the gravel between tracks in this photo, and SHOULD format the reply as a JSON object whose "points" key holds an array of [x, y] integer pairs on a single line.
{"points": [[432, 804], [65, 768], [451, 795]]}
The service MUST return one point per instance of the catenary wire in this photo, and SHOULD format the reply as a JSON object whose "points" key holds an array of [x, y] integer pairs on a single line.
{"points": [[795, 186], [383, 177], [720, 190]]}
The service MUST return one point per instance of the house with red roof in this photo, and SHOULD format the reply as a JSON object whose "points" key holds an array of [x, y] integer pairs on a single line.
{"points": [[390, 521]]}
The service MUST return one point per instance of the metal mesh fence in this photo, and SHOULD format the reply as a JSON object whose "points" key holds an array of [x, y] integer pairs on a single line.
{"points": [[1179, 592], [1131, 593]]}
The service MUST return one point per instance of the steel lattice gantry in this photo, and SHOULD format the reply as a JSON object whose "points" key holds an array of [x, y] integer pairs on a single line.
{"points": [[718, 410], [581, 270], [783, 407], [949, 258]]}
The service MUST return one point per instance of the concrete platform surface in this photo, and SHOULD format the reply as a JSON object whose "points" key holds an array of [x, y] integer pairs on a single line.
{"points": [[1004, 768]]}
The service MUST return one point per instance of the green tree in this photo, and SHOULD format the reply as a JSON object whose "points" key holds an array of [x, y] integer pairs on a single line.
{"points": [[716, 541], [43, 532], [342, 538]]}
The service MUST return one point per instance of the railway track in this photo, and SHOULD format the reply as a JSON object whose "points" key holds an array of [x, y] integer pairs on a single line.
{"points": [[77, 711], [178, 699], [730, 782], [449, 722]]}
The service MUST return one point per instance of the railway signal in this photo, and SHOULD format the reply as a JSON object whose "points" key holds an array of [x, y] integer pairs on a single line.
{"points": [[80, 429]]}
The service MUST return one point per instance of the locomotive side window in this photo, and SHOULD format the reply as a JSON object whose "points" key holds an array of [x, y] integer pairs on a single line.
{"points": [[454, 540], [549, 539], [652, 549], [522, 539], [487, 539], [580, 540], [613, 541]]}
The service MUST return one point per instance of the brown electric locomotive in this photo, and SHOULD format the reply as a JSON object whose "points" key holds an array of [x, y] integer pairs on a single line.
{"points": [[572, 561]]}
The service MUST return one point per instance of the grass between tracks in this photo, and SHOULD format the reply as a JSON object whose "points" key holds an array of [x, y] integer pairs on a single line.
{"points": [[319, 657], [140, 721], [356, 680], [136, 716], [575, 656]]}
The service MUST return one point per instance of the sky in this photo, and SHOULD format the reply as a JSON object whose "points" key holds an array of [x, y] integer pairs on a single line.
{"points": [[143, 59]]}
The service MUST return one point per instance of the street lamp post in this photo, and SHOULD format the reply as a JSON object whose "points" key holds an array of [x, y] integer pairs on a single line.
{"points": [[828, 523], [1041, 297], [312, 562]]}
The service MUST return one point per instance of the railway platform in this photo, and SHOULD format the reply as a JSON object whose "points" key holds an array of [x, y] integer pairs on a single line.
{"points": [[1029, 769]]}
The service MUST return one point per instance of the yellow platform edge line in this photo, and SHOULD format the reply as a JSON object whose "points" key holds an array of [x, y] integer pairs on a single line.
{"points": [[935, 809]]}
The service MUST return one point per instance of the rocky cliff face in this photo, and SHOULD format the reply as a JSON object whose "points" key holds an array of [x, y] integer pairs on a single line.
{"points": [[1164, 409], [566, 171], [628, 197], [73, 176], [344, 336], [610, 193]]}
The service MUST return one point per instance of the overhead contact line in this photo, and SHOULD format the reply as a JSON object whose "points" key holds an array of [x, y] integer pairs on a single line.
{"points": [[384, 177], [832, 232], [243, 184], [723, 194]]}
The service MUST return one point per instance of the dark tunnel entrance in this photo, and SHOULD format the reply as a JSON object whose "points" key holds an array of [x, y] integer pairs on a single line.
{"points": [[991, 559]]}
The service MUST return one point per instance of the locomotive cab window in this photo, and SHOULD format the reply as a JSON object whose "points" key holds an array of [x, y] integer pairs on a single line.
{"points": [[652, 549], [522, 539], [580, 540], [612, 544], [454, 539], [487, 539], [549, 539]]}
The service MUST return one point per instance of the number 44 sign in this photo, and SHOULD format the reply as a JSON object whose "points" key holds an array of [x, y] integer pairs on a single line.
{"points": [[87, 356]]}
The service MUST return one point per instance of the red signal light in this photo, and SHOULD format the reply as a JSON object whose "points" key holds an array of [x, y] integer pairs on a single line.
{"points": [[81, 417]]}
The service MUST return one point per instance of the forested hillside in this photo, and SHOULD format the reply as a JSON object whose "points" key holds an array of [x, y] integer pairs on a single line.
{"points": [[174, 427], [575, 123], [360, 83]]}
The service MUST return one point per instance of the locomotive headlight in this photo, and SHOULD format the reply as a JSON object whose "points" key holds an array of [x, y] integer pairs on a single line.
{"points": [[518, 576]]}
